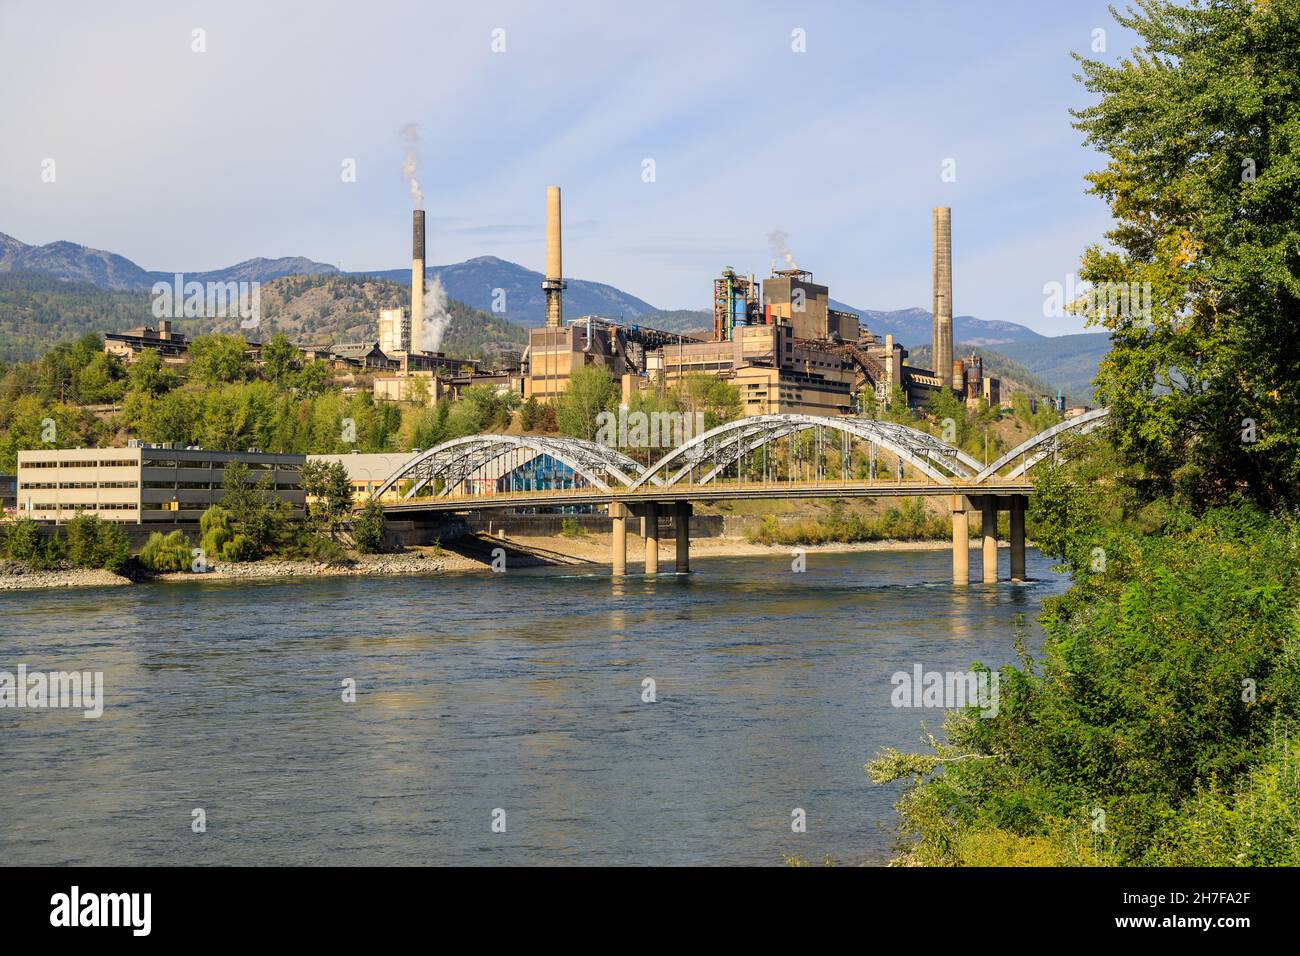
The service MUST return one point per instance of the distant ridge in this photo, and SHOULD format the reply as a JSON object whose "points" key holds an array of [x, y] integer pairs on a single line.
{"points": [[512, 293], [107, 270]]}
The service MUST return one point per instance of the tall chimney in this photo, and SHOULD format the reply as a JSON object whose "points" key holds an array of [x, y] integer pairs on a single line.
{"points": [[941, 342], [553, 283], [417, 280]]}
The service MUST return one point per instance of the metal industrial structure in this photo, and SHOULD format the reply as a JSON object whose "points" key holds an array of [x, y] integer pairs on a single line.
{"points": [[763, 457]]}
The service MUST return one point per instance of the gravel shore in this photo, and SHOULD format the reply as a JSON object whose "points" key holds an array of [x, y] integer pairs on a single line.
{"points": [[17, 577]]}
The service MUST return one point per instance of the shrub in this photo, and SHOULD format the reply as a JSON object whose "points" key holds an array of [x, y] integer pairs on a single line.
{"points": [[368, 528], [171, 552], [95, 543], [216, 530], [570, 528], [24, 542], [238, 548]]}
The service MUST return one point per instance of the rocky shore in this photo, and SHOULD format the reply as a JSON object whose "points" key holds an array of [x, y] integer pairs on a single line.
{"points": [[16, 577], [364, 565]]}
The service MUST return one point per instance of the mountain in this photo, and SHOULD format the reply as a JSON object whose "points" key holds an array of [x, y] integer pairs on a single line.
{"points": [[329, 307], [476, 281], [107, 270], [38, 310], [912, 327], [1014, 376], [1067, 361]]}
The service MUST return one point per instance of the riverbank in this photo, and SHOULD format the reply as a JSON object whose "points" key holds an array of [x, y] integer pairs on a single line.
{"points": [[15, 576], [593, 549]]}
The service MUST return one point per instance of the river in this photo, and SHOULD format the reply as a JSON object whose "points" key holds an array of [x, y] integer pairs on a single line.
{"points": [[478, 692]]}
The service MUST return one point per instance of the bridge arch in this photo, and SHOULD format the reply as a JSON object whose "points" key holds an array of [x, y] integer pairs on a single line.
{"points": [[1033, 450], [714, 450], [456, 460]]}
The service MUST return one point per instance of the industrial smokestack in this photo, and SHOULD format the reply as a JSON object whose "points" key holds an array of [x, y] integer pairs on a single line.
{"points": [[553, 284], [417, 279], [941, 342]]}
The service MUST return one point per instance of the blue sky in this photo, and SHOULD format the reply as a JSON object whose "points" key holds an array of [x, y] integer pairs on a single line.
{"points": [[184, 160]]}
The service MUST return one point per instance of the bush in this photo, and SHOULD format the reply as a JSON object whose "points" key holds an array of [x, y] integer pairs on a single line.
{"points": [[24, 542], [313, 547], [570, 528], [1137, 708], [216, 530], [238, 548], [95, 543], [909, 521], [162, 554], [368, 528]]}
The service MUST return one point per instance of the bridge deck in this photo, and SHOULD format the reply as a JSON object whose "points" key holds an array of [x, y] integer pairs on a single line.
{"points": [[720, 491]]}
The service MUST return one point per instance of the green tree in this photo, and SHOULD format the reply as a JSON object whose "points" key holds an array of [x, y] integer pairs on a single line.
{"points": [[530, 414], [219, 359], [368, 528], [94, 543], [261, 517], [149, 375], [590, 391], [329, 493], [1200, 126], [24, 543], [166, 553], [280, 358]]}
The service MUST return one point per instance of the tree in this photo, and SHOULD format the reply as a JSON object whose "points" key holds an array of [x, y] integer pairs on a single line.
{"points": [[219, 359], [312, 379], [279, 359], [24, 543], [530, 414], [148, 375], [260, 516], [329, 492], [166, 553], [368, 528], [717, 398], [95, 543], [1200, 127], [590, 391]]}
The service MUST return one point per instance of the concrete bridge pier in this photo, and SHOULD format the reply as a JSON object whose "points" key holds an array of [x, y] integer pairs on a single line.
{"points": [[989, 531], [650, 530], [618, 513], [960, 542], [1018, 503], [682, 526]]}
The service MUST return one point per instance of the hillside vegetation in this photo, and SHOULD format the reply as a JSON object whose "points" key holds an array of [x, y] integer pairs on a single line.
{"points": [[37, 311]]}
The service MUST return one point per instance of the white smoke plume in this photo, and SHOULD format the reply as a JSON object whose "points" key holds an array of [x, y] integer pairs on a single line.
{"points": [[410, 134], [781, 256], [436, 317]]}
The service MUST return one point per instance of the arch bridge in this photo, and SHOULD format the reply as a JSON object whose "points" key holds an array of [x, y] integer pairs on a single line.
{"points": [[761, 457]]}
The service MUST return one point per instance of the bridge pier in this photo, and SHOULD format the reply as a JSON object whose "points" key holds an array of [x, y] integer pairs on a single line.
{"points": [[618, 515], [682, 526], [1018, 537], [960, 542], [650, 529], [989, 531]]}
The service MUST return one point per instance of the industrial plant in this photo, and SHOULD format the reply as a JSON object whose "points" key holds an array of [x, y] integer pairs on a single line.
{"points": [[778, 341]]}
